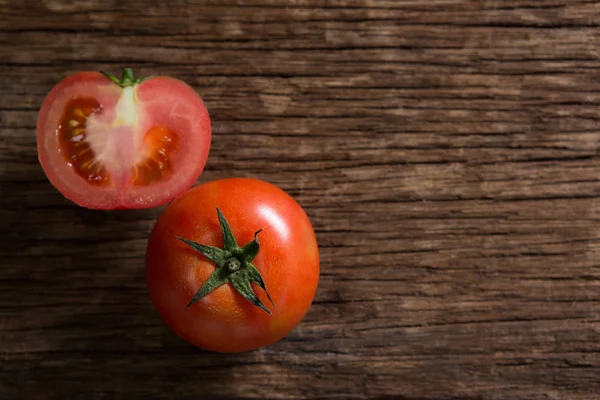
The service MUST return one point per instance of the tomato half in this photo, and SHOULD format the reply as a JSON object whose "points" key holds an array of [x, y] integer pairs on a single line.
{"points": [[224, 320], [106, 143]]}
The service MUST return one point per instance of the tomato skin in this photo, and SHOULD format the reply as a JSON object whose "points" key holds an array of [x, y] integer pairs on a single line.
{"points": [[288, 260], [153, 96]]}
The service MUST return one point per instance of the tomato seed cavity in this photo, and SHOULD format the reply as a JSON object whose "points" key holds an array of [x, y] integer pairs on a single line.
{"points": [[72, 140], [155, 166]]}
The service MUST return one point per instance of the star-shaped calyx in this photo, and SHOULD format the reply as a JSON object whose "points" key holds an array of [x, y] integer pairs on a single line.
{"points": [[234, 265]]}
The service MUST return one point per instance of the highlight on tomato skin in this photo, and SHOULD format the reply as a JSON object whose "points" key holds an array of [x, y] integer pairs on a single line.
{"points": [[201, 280], [110, 143]]}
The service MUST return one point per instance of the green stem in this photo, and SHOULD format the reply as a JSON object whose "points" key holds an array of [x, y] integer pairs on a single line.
{"points": [[127, 78], [233, 264], [237, 269]]}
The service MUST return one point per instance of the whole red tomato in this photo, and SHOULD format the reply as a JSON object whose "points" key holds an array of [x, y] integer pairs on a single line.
{"points": [[109, 143], [216, 255]]}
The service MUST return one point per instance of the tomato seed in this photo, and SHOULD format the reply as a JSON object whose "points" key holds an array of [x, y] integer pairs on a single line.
{"points": [[72, 139], [159, 141]]}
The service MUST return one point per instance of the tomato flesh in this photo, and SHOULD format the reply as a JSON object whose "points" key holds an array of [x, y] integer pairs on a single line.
{"points": [[105, 146]]}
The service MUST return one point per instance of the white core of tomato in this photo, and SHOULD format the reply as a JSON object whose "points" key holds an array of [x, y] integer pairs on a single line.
{"points": [[116, 135], [127, 110]]}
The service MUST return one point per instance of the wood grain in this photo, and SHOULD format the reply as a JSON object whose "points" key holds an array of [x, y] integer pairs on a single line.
{"points": [[446, 152]]}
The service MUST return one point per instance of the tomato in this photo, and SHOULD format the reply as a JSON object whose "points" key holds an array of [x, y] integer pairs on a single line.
{"points": [[106, 143], [202, 291]]}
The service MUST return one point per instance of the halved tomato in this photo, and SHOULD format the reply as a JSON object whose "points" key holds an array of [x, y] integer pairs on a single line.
{"points": [[108, 143]]}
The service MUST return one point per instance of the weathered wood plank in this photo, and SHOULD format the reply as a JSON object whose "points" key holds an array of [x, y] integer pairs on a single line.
{"points": [[446, 152]]}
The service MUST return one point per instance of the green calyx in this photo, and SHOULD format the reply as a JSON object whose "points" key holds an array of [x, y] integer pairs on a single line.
{"points": [[234, 265], [126, 78]]}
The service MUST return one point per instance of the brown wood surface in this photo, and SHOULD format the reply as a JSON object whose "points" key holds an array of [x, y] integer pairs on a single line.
{"points": [[446, 152]]}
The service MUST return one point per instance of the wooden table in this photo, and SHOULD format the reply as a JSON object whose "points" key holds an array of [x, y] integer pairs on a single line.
{"points": [[446, 152]]}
